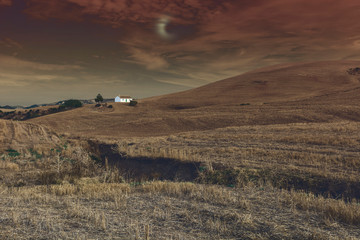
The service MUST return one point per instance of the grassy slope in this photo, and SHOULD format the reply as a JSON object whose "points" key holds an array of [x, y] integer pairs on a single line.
{"points": [[315, 92], [276, 83]]}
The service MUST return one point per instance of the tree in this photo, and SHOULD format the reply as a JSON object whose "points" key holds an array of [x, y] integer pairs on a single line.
{"points": [[72, 103], [99, 98]]}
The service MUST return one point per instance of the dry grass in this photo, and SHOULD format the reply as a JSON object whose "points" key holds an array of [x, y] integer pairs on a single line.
{"points": [[9, 166], [332, 209], [330, 150], [161, 210], [22, 136]]}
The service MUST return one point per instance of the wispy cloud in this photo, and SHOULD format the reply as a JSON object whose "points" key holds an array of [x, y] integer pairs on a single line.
{"points": [[15, 72], [21, 80], [11, 62], [185, 82], [151, 60]]}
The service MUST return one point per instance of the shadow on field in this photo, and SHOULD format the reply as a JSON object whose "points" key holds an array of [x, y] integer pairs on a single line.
{"points": [[146, 168]]}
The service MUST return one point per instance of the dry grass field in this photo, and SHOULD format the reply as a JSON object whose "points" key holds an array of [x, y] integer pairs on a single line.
{"points": [[66, 195], [275, 156], [164, 210]]}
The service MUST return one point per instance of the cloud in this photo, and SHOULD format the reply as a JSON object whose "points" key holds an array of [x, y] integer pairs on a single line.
{"points": [[151, 60], [184, 82], [11, 62], [15, 72], [12, 79], [5, 2], [119, 12]]}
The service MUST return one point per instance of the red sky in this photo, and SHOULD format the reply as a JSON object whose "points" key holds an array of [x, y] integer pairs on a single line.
{"points": [[57, 49]]}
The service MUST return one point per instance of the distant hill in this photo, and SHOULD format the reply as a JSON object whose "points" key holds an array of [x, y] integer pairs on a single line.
{"points": [[9, 107]]}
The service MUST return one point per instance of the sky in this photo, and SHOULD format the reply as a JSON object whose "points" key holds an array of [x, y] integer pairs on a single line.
{"points": [[52, 50]]}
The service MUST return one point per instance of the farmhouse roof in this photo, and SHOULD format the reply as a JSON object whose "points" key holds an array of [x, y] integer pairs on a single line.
{"points": [[125, 97]]}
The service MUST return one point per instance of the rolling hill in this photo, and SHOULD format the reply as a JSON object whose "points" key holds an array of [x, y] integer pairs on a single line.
{"points": [[270, 84], [291, 93]]}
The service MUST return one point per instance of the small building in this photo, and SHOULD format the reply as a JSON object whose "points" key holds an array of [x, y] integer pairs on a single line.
{"points": [[123, 99]]}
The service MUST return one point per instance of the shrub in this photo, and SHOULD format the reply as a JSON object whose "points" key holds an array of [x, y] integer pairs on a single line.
{"points": [[132, 103], [61, 108], [35, 153], [52, 110], [72, 103], [13, 153]]}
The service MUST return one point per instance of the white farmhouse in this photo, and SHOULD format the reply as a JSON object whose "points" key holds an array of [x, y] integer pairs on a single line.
{"points": [[123, 99]]}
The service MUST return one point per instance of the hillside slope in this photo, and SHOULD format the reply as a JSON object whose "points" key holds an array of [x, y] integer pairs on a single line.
{"points": [[311, 92], [23, 136], [276, 83]]}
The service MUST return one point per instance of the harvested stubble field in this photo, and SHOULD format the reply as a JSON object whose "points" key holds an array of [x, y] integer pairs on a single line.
{"points": [[330, 150], [88, 209], [66, 195], [285, 166]]}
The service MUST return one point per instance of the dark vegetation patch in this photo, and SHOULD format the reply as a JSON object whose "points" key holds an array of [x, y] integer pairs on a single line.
{"points": [[7, 107], [354, 71], [12, 153], [28, 114], [133, 103]]}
